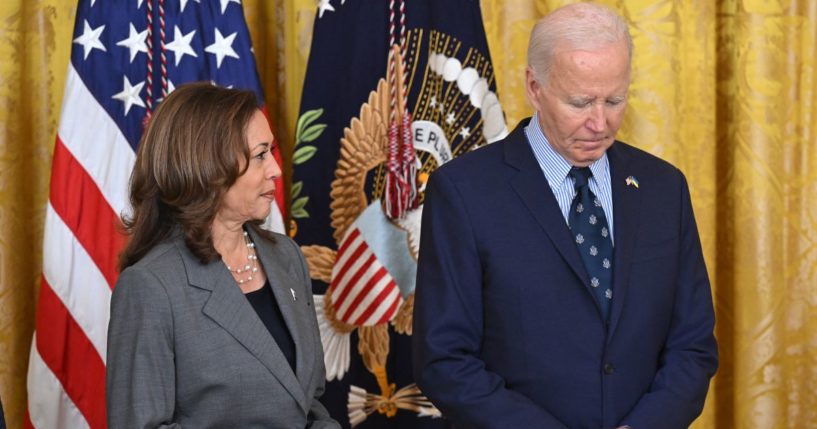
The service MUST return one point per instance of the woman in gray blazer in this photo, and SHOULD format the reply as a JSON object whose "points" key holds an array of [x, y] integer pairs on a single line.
{"points": [[212, 320]]}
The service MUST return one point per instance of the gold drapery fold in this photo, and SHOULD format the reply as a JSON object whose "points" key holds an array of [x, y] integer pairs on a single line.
{"points": [[767, 230], [725, 90], [34, 47]]}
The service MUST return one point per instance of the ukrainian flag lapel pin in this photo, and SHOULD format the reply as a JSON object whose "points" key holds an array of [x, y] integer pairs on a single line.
{"points": [[632, 181]]}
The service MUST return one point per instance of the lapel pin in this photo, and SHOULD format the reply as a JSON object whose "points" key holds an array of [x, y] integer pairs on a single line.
{"points": [[293, 294], [632, 181]]}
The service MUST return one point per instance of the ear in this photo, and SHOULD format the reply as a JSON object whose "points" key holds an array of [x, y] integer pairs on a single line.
{"points": [[532, 88]]}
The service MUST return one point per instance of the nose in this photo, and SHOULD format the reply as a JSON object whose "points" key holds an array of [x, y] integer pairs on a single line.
{"points": [[596, 120], [273, 169]]}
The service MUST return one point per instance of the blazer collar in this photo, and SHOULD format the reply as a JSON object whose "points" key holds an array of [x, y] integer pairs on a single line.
{"points": [[532, 188], [627, 209], [284, 277], [230, 309]]}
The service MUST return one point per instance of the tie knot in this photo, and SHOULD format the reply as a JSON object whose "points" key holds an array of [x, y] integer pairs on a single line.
{"points": [[580, 176]]}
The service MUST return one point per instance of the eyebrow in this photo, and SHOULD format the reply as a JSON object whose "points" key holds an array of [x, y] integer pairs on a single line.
{"points": [[265, 144], [590, 98], [581, 99]]}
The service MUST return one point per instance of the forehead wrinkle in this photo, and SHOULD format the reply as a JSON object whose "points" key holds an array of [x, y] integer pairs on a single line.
{"points": [[573, 86]]}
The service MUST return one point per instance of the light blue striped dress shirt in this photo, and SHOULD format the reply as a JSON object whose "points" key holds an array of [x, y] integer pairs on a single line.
{"points": [[556, 168]]}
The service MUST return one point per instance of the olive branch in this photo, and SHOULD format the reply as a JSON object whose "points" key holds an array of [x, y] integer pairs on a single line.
{"points": [[305, 132]]}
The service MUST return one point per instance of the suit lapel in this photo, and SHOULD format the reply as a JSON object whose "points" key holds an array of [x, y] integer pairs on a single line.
{"points": [[231, 310], [626, 209], [285, 285], [532, 188]]}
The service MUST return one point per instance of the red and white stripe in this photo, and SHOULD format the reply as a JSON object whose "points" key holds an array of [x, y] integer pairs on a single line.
{"points": [[89, 179], [89, 190], [362, 290]]}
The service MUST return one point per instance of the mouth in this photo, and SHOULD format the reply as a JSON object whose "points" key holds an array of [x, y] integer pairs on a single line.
{"points": [[593, 142], [269, 194]]}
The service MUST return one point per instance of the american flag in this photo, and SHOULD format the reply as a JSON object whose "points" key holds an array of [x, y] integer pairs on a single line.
{"points": [[363, 291], [127, 55]]}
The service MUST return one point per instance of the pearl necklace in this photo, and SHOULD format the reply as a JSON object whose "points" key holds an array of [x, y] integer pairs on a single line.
{"points": [[250, 267]]}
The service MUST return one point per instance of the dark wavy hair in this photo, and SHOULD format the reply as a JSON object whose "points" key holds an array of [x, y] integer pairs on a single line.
{"points": [[188, 157]]}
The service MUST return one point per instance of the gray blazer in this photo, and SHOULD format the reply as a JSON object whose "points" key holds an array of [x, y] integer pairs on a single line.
{"points": [[186, 348]]}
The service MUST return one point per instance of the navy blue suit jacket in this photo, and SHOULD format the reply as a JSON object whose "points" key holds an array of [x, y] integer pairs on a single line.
{"points": [[507, 333]]}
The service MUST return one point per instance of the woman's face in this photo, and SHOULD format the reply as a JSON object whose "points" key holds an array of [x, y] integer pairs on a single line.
{"points": [[253, 192]]}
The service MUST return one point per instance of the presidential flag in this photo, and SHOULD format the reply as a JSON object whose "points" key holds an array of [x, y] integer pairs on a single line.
{"points": [[127, 56], [392, 91]]}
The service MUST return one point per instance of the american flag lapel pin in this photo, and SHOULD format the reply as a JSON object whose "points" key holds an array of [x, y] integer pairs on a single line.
{"points": [[294, 298], [632, 181]]}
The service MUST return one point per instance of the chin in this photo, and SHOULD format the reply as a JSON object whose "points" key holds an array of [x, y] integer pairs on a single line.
{"points": [[589, 156]]}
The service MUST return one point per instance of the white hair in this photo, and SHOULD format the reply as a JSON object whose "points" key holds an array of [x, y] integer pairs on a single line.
{"points": [[583, 26]]}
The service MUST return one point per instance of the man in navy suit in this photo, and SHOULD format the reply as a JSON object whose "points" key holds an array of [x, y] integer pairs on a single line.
{"points": [[561, 282]]}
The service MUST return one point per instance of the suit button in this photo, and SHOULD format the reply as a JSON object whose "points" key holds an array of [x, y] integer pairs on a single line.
{"points": [[608, 368]]}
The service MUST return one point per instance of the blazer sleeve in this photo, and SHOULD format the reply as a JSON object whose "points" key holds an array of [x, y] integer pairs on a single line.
{"points": [[318, 417], [140, 373], [690, 355], [448, 323]]}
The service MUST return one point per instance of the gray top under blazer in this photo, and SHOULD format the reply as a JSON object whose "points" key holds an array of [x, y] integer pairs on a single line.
{"points": [[186, 349]]}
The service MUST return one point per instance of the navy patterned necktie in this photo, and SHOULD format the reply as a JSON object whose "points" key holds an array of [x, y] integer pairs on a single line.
{"points": [[588, 224]]}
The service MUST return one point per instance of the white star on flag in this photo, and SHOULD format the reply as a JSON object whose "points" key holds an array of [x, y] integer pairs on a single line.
{"points": [[465, 132], [323, 7], [181, 44], [184, 3], [224, 4], [136, 42], [90, 39], [214, 83], [433, 102], [450, 119], [130, 94], [222, 47]]}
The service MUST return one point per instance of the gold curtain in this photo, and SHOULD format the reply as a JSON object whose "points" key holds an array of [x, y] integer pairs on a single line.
{"points": [[35, 38], [726, 90]]}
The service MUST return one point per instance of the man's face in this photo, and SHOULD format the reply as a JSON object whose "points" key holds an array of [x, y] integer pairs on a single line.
{"points": [[581, 105]]}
